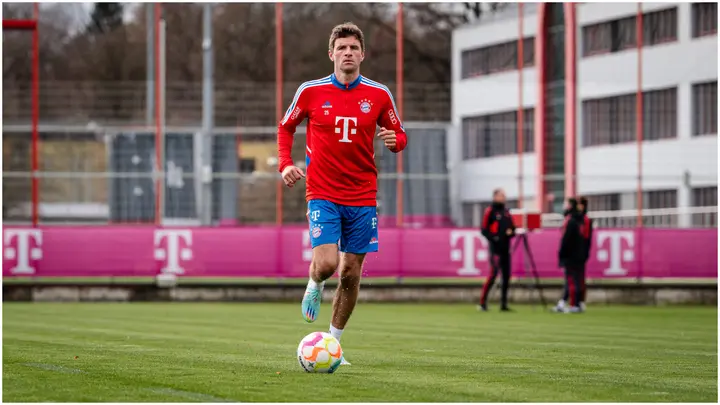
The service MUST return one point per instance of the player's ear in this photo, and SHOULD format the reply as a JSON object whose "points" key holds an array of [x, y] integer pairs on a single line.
{"points": [[330, 55]]}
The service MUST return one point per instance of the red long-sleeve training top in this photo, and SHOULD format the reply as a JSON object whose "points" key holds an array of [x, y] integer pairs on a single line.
{"points": [[341, 128]]}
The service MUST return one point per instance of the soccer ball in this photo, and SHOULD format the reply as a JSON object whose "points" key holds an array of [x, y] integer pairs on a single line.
{"points": [[319, 352]]}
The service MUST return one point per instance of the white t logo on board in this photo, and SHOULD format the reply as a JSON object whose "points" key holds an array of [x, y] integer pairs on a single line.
{"points": [[345, 129], [173, 253], [467, 253], [615, 255], [22, 252]]}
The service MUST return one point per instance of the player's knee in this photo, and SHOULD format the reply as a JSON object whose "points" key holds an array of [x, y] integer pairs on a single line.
{"points": [[349, 279], [325, 266]]}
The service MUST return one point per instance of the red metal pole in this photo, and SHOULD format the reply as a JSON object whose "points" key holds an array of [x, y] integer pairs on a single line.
{"points": [[158, 122], [520, 113], [399, 66], [640, 128], [35, 117], [279, 99], [570, 100], [639, 111], [540, 113]]}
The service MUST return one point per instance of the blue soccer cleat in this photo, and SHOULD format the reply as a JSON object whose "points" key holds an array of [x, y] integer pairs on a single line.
{"points": [[311, 304]]}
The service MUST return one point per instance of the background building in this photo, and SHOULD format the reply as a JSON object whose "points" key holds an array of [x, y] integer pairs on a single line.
{"points": [[578, 89], [107, 78]]}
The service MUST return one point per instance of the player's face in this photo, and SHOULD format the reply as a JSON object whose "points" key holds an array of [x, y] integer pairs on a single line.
{"points": [[500, 197], [347, 55]]}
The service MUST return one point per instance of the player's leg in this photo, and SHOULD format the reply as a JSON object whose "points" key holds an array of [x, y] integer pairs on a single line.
{"points": [[494, 267], [575, 290], [583, 287], [324, 221], [359, 237], [560, 307], [505, 269], [346, 294]]}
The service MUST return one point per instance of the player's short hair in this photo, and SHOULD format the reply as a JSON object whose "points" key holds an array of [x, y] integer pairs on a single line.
{"points": [[346, 30]]}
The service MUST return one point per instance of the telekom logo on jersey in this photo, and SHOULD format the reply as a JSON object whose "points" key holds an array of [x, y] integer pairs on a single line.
{"points": [[345, 128]]}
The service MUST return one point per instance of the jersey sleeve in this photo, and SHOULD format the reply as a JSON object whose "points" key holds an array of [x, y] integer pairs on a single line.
{"points": [[294, 115], [390, 119]]}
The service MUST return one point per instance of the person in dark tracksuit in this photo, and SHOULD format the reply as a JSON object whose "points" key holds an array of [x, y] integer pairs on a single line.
{"points": [[498, 228], [561, 305], [573, 254], [583, 207]]}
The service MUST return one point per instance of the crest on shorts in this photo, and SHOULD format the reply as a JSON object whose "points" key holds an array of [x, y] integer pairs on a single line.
{"points": [[316, 231], [365, 105]]}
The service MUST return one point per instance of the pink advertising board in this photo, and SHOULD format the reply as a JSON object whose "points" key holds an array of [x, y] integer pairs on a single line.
{"points": [[127, 251]]}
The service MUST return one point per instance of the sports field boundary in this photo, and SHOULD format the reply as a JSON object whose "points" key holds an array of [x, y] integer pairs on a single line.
{"points": [[523, 290]]}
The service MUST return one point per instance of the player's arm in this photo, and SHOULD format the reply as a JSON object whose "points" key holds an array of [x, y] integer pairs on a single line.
{"points": [[590, 236], [511, 230], [485, 225], [294, 115], [391, 128], [566, 243]]}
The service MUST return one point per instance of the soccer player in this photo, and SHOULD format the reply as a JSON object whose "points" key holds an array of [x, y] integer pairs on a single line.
{"points": [[343, 111], [573, 254], [498, 228]]}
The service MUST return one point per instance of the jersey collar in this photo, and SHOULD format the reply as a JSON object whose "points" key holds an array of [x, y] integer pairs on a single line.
{"points": [[339, 85]]}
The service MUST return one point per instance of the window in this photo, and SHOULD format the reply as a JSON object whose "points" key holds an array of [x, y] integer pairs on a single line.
{"points": [[704, 197], [597, 39], [660, 114], [612, 120], [496, 134], [704, 108], [617, 35], [625, 34], [246, 165], [660, 26], [603, 202], [704, 19], [657, 199], [496, 58], [609, 36]]}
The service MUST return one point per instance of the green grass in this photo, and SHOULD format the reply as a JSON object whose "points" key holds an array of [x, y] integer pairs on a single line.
{"points": [[195, 352]]}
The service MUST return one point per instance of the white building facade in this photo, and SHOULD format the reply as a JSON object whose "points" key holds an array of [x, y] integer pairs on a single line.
{"points": [[578, 90]]}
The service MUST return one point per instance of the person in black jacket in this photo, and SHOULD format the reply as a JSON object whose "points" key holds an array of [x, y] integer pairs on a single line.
{"points": [[583, 206], [498, 228], [573, 253], [562, 304]]}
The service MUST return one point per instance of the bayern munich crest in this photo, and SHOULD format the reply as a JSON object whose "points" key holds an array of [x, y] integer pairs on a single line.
{"points": [[316, 232], [365, 105]]}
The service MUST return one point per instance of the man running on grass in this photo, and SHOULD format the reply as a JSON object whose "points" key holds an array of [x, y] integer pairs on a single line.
{"points": [[343, 112]]}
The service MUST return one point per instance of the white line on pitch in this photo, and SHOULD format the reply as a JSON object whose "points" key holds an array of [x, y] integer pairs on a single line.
{"points": [[53, 367], [189, 395]]}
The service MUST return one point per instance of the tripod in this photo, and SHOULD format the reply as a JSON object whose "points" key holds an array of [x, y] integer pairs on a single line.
{"points": [[529, 265]]}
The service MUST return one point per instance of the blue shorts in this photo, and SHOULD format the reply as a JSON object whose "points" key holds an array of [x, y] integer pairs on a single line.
{"points": [[355, 227]]}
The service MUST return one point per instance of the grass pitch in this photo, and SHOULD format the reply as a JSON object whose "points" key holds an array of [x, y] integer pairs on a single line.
{"points": [[177, 352]]}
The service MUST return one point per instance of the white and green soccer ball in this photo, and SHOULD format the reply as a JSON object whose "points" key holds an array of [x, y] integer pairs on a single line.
{"points": [[319, 352]]}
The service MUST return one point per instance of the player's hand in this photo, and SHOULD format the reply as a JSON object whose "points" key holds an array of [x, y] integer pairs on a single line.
{"points": [[509, 232], [291, 175], [388, 136]]}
